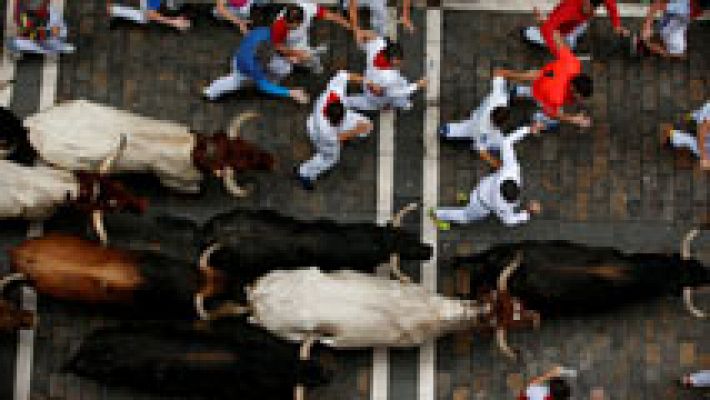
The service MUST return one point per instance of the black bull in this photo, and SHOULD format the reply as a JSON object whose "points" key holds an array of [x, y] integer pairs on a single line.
{"points": [[561, 278], [230, 360]]}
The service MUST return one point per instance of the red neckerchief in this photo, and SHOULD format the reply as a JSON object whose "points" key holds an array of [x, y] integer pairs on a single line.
{"points": [[381, 62], [332, 98]]}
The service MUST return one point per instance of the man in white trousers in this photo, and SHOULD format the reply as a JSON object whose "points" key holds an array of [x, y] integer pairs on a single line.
{"points": [[497, 193], [148, 11], [699, 379], [331, 124], [378, 15], [484, 125], [384, 85], [699, 145], [290, 37]]}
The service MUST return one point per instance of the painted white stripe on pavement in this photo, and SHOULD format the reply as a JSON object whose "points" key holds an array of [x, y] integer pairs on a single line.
{"points": [[25, 349], [430, 187], [379, 389], [50, 72], [7, 71]]}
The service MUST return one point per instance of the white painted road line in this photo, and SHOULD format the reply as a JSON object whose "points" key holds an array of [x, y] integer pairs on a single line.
{"points": [[25, 350], [7, 72], [430, 188], [379, 388]]}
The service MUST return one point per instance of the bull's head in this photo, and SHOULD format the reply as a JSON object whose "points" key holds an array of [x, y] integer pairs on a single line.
{"points": [[225, 154], [98, 193], [506, 312]]}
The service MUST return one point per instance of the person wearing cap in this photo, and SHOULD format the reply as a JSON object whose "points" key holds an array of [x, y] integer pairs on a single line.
{"points": [[378, 15], [669, 38], [699, 144], [149, 11], [558, 84], [290, 37], [571, 18], [497, 193], [484, 127], [330, 125], [247, 67], [549, 386], [384, 86]]}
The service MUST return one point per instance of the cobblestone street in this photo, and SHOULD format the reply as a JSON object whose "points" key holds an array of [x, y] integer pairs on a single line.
{"points": [[612, 185]]}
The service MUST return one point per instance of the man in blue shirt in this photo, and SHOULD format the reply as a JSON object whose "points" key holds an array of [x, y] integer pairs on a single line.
{"points": [[248, 68], [149, 11]]}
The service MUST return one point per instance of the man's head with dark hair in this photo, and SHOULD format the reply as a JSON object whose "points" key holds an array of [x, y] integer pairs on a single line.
{"points": [[393, 52], [510, 190], [293, 16], [335, 112], [500, 115], [559, 389], [583, 85]]}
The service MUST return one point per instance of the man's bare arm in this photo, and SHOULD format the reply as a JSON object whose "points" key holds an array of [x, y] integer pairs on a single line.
{"points": [[337, 18], [703, 132], [517, 76], [406, 15]]}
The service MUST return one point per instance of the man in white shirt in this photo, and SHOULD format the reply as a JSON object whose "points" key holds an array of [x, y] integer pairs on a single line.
{"points": [[484, 125], [497, 193], [671, 29], [331, 124], [549, 386], [384, 86], [290, 37]]}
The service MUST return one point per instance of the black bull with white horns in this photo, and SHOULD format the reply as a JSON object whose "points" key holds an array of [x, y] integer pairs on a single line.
{"points": [[230, 359], [70, 268], [559, 278]]}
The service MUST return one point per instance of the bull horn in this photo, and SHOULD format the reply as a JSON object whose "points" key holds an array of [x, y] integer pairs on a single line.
{"points": [[230, 183], [235, 126], [688, 291], [107, 162], [6, 280], [97, 220], [502, 342], [397, 219], [508, 271], [395, 270], [304, 354], [205, 256]]}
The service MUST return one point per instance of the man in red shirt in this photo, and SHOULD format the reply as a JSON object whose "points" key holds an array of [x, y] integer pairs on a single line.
{"points": [[571, 19], [290, 37], [558, 84]]}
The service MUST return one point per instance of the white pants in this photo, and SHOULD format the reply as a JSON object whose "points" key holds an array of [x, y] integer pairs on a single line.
{"points": [[327, 152], [137, 15], [474, 211], [229, 83], [369, 102], [280, 67], [378, 14], [533, 34], [680, 139], [700, 378]]}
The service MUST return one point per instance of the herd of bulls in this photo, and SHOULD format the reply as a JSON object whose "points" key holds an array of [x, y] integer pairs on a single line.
{"points": [[247, 286]]}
